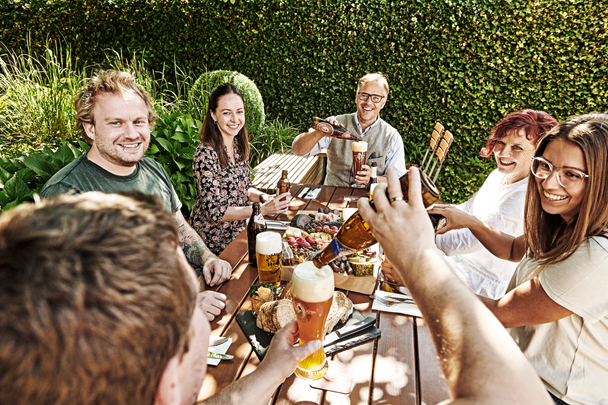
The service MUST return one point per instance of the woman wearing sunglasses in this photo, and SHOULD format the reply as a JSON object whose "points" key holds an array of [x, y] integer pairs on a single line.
{"points": [[557, 302]]}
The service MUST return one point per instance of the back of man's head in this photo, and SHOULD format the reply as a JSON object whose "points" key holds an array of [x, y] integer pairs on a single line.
{"points": [[107, 81], [94, 300]]}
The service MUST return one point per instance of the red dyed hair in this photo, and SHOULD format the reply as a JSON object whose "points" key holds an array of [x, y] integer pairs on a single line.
{"points": [[534, 123]]}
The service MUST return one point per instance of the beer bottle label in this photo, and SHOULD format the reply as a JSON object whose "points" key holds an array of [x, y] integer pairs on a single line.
{"points": [[259, 219], [325, 127], [339, 249], [371, 190]]}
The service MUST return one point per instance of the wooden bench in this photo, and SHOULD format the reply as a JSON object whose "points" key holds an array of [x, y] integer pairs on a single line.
{"points": [[301, 170]]}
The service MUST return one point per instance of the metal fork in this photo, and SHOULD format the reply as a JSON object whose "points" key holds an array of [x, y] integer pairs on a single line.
{"points": [[390, 301], [218, 342]]}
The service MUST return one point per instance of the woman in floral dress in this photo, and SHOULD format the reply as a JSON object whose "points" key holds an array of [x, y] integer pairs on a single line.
{"points": [[222, 175]]}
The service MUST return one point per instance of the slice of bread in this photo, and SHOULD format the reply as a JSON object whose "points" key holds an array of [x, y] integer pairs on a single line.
{"points": [[337, 311], [349, 310], [283, 313]]}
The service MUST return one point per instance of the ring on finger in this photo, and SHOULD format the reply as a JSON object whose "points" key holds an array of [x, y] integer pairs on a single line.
{"points": [[396, 199]]}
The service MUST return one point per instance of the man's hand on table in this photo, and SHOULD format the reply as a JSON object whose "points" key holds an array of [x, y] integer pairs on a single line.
{"points": [[282, 356], [216, 271], [211, 303]]}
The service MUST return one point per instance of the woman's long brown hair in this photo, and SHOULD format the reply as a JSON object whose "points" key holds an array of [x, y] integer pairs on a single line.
{"points": [[210, 133], [548, 238]]}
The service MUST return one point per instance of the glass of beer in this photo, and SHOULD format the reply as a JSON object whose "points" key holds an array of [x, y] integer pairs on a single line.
{"points": [[359, 158], [268, 248], [312, 292]]}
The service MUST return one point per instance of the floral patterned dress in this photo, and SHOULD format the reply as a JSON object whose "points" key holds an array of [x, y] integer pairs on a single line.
{"points": [[216, 190]]}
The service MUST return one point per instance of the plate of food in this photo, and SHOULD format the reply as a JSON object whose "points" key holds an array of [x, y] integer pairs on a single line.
{"points": [[273, 315]]}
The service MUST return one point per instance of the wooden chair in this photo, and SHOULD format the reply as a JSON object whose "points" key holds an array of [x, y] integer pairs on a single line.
{"points": [[441, 152], [435, 136]]}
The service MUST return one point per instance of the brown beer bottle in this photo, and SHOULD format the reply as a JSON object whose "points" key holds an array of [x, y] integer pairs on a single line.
{"points": [[256, 225], [330, 129], [283, 184], [355, 234], [373, 181]]}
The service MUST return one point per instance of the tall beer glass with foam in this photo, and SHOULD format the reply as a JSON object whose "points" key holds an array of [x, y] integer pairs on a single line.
{"points": [[359, 158], [268, 248], [312, 292]]}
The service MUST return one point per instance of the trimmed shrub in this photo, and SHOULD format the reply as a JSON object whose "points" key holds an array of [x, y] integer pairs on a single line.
{"points": [[198, 98]]}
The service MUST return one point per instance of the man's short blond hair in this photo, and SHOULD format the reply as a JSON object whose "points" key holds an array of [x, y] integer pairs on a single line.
{"points": [[107, 81], [374, 77]]}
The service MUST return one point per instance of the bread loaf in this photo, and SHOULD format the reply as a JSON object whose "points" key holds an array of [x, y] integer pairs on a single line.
{"points": [[274, 315]]}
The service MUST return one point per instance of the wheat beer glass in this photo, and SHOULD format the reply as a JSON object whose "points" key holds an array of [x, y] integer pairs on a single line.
{"points": [[359, 157], [312, 292], [268, 248]]}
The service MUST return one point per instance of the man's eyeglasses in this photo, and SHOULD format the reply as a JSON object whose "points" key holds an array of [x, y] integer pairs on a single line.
{"points": [[566, 177], [375, 97]]}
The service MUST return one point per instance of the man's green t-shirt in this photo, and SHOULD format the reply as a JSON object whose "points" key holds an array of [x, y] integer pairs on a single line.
{"points": [[82, 175]]}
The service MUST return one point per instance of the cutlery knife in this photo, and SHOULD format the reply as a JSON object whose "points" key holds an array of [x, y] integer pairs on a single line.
{"points": [[348, 330]]}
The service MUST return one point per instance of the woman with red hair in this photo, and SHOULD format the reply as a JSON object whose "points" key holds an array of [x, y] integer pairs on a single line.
{"points": [[499, 203]]}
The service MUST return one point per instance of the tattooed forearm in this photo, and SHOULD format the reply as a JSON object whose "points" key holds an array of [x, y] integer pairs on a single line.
{"points": [[194, 248]]}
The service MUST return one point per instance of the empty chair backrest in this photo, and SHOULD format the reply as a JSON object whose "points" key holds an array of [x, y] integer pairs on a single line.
{"points": [[438, 128]]}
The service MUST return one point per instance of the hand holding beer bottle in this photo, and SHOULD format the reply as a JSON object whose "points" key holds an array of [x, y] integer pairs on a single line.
{"points": [[334, 129]]}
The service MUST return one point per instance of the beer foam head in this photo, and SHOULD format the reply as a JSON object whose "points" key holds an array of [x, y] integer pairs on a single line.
{"points": [[311, 284], [268, 243], [360, 146]]}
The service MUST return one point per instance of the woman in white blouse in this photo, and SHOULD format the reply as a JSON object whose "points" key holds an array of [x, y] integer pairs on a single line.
{"points": [[499, 203]]}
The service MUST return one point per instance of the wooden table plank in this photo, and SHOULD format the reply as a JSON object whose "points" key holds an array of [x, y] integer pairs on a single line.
{"points": [[236, 291], [433, 388], [220, 376], [357, 361], [395, 366]]}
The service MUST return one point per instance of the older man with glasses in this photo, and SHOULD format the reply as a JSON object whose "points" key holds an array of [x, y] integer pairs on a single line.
{"points": [[384, 144]]}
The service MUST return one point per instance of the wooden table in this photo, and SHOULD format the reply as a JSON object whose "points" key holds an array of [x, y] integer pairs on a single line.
{"points": [[399, 367]]}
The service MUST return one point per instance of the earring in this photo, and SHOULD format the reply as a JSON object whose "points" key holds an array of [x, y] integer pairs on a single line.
{"points": [[215, 122]]}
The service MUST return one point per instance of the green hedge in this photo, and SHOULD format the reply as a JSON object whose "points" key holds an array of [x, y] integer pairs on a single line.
{"points": [[465, 63]]}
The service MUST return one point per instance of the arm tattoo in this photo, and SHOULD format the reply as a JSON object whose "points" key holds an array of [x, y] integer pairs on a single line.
{"points": [[194, 248]]}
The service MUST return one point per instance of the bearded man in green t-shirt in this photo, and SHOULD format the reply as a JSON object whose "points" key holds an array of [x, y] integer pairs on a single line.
{"points": [[115, 116]]}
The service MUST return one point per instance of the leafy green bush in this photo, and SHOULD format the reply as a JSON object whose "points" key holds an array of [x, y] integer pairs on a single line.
{"points": [[25, 176], [198, 98], [172, 144]]}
